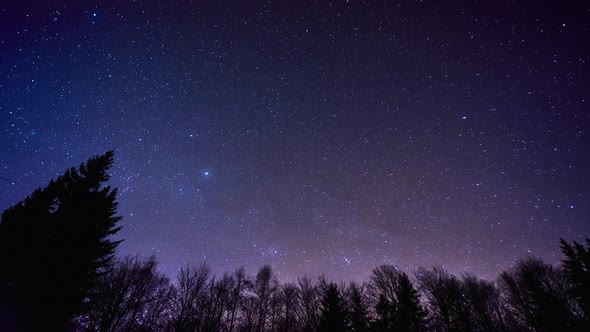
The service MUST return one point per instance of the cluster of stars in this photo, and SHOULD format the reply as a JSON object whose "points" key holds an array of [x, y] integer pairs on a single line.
{"points": [[322, 138]]}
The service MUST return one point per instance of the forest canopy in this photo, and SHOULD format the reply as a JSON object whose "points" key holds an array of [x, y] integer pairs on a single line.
{"points": [[59, 272]]}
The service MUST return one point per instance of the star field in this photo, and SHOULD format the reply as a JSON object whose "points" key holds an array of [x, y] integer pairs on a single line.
{"points": [[321, 137]]}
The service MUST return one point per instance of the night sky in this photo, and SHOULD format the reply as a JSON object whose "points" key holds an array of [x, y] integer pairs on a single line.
{"points": [[321, 137]]}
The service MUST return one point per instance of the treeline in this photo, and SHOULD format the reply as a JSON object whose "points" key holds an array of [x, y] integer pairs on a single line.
{"points": [[58, 272], [532, 296]]}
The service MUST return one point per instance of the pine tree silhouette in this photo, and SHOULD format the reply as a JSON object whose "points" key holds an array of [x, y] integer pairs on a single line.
{"points": [[384, 320], [333, 315], [410, 316], [54, 245], [358, 308], [397, 306]]}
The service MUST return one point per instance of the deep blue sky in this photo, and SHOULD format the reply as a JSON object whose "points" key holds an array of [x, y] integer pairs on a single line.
{"points": [[316, 136]]}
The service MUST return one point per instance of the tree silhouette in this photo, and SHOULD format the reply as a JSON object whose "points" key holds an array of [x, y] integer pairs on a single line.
{"points": [[384, 311], [132, 296], [57, 274], [537, 296], [358, 308], [240, 283], [410, 316], [54, 245], [484, 304], [218, 300], [333, 315], [285, 307], [444, 294], [577, 268], [188, 300], [382, 287], [310, 303], [397, 303], [264, 286]]}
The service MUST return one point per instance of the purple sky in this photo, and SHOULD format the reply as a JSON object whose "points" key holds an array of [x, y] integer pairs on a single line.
{"points": [[321, 137]]}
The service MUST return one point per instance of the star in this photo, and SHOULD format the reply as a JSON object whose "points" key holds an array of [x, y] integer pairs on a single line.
{"points": [[352, 131]]}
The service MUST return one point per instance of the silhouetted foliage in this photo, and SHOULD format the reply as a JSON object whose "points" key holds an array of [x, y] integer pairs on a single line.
{"points": [[188, 300], [54, 245], [410, 316], [264, 287], [447, 306], [58, 274], [576, 265], [237, 288], [358, 307], [333, 316], [310, 304], [537, 296], [484, 304], [397, 303], [287, 308], [133, 296], [384, 310]]}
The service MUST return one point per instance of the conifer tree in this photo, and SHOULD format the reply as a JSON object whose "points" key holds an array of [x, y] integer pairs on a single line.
{"points": [[384, 320], [333, 312], [358, 308], [54, 245], [410, 316]]}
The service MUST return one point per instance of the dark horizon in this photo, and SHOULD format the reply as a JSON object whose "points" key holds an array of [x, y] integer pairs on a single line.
{"points": [[59, 266], [316, 137]]}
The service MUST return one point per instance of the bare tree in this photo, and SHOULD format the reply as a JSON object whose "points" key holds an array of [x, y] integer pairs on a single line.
{"points": [[291, 303], [537, 296], [484, 303], [188, 304], [240, 283], [264, 287], [249, 313], [383, 280], [276, 310], [217, 302], [133, 295], [310, 304], [445, 301]]}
